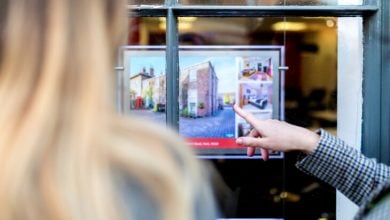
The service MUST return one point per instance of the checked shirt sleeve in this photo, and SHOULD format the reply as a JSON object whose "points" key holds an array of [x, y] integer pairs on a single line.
{"points": [[345, 168]]}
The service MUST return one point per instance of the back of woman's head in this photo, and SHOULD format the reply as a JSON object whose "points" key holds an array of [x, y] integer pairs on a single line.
{"points": [[62, 147]]}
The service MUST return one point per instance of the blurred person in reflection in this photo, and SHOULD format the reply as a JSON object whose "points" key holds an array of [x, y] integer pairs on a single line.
{"points": [[363, 180], [64, 151]]}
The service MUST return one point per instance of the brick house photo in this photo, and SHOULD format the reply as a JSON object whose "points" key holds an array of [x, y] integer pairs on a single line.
{"points": [[198, 96]]}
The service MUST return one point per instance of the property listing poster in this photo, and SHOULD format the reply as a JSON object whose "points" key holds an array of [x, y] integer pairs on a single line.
{"points": [[211, 81], [145, 84]]}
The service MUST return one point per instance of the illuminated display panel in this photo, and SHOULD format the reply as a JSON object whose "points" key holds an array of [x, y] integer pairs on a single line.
{"points": [[212, 79]]}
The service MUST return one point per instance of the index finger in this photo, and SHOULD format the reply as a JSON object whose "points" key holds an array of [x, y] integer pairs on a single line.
{"points": [[251, 119]]}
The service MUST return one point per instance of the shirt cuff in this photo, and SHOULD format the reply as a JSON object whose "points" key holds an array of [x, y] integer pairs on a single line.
{"points": [[309, 162]]}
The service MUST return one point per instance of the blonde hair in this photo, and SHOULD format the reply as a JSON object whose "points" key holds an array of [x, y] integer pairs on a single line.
{"points": [[60, 139]]}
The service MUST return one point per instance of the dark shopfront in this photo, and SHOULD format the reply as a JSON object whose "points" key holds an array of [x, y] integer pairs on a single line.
{"points": [[336, 53]]}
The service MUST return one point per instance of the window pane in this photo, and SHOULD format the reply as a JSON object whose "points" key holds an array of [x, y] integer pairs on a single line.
{"points": [[271, 2], [145, 2], [310, 91]]}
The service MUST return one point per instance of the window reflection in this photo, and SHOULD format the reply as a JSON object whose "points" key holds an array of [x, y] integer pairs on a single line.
{"points": [[146, 31]]}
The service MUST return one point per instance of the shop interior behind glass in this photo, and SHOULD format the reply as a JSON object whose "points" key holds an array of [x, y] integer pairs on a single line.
{"points": [[274, 188]]}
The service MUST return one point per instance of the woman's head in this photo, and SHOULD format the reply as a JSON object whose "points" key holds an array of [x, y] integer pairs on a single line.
{"points": [[60, 138], [56, 63], [60, 45], [55, 75]]}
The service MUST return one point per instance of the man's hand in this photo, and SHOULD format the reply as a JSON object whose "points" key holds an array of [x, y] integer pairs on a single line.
{"points": [[275, 135]]}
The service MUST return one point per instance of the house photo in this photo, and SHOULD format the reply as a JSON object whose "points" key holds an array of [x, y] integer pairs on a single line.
{"points": [[255, 96], [198, 95]]}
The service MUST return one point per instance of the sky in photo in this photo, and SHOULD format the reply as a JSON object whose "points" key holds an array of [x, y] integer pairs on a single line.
{"points": [[225, 67]]}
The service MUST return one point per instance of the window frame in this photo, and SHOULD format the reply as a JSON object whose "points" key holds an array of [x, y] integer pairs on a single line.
{"points": [[376, 81]]}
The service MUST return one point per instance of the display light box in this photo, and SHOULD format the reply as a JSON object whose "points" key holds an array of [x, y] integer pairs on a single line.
{"points": [[212, 79]]}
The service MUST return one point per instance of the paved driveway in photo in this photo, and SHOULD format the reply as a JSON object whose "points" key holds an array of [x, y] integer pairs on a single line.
{"points": [[220, 125]]}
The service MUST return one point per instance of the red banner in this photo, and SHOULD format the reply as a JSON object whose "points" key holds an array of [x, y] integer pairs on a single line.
{"points": [[221, 143]]}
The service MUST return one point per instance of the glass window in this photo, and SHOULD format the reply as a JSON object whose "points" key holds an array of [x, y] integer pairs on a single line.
{"points": [[308, 92], [310, 98]]}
